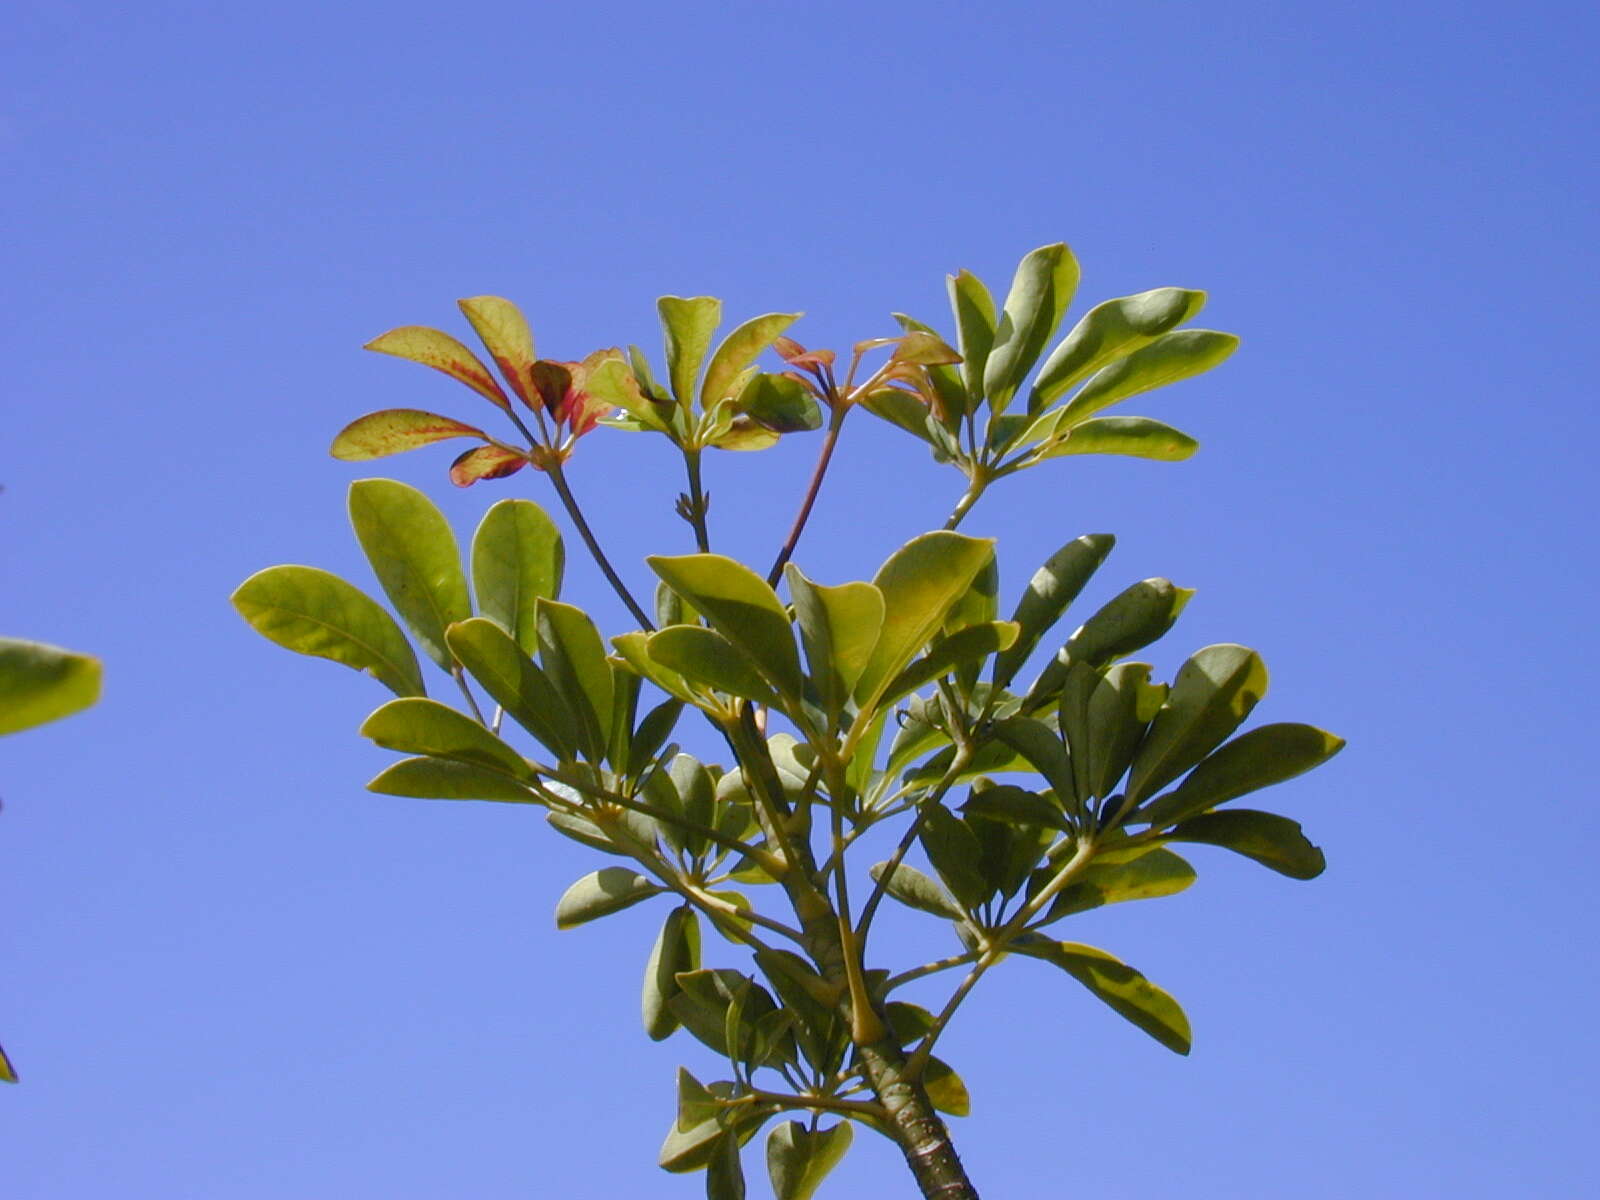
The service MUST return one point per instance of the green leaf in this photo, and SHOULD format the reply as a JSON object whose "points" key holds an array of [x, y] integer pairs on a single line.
{"points": [[1053, 587], [1168, 359], [437, 349], [1254, 760], [691, 1149], [394, 431], [955, 853], [8, 1073], [839, 626], [1130, 621], [1135, 437], [1119, 710], [1109, 331], [1045, 282], [1271, 840], [40, 683], [945, 1088], [1123, 989], [634, 649], [650, 735], [725, 1173], [688, 325], [1014, 806], [737, 351], [696, 1103], [418, 726], [1153, 874], [575, 661], [580, 829], [971, 645], [1211, 696], [920, 583], [705, 999], [517, 557], [916, 890], [515, 683], [1043, 750], [448, 779], [975, 324], [613, 383], [414, 555], [311, 611], [902, 408], [676, 950], [799, 1159], [704, 657], [601, 893], [780, 403], [740, 606]]}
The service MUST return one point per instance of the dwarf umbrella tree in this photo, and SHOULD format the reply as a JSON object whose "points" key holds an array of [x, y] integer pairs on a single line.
{"points": [[890, 702]]}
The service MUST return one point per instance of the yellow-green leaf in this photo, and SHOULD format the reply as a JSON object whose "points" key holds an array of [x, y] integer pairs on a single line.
{"points": [[40, 683], [1111, 330], [1125, 990], [920, 583], [414, 555], [448, 779], [517, 557], [1043, 288], [1134, 437], [687, 326], [1169, 358], [740, 606], [418, 726], [311, 611], [737, 351]]}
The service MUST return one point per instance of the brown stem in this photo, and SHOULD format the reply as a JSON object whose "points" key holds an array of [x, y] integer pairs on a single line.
{"points": [[570, 502], [821, 469]]}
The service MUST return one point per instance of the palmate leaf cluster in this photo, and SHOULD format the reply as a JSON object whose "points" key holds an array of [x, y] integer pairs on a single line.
{"points": [[892, 704]]}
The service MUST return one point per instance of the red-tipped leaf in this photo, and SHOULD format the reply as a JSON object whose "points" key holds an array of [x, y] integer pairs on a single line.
{"points": [[394, 431], [437, 349], [506, 336], [486, 462]]}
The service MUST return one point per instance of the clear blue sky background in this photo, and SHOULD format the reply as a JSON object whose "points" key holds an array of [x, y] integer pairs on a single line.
{"points": [[230, 972]]}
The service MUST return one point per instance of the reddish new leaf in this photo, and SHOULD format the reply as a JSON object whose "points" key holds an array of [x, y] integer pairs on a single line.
{"points": [[505, 334], [437, 349], [395, 430], [486, 462]]}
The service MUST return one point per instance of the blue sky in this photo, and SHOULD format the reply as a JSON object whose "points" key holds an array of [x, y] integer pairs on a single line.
{"points": [[231, 972]]}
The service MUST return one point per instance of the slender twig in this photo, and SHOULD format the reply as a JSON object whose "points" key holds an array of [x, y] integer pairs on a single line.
{"points": [[964, 505], [559, 481], [868, 1108], [460, 677], [824, 456], [995, 949], [931, 968], [958, 764], [755, 853], [697, 501]]}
